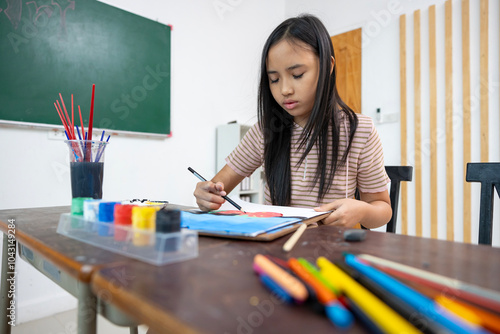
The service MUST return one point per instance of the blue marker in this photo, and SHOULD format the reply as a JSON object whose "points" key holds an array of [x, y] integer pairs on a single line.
{"points": [[276, 289], [338, 314], [418, 301]]}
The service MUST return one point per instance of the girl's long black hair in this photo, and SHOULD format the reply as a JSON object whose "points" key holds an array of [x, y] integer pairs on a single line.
{"points": [[277, 124]]}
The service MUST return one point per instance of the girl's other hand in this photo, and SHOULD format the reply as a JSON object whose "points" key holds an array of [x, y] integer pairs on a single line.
{"points": [[209, 195], [372, 211], [346, 212]]}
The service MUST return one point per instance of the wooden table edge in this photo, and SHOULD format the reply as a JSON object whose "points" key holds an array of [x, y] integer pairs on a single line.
{"points": [[82, 272]]}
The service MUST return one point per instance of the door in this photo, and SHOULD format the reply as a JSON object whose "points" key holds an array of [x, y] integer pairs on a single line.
{"points": [[347, 48]]}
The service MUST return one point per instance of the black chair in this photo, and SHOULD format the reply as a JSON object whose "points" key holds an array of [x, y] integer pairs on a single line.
{"points": [[396, 174], [488, 174]]}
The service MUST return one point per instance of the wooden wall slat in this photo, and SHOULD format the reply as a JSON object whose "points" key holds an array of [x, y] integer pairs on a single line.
{"points": [[433, 122], [449, 121], [404, 152], [466, 102], [417, 121], [483, 69], [448, 158]]}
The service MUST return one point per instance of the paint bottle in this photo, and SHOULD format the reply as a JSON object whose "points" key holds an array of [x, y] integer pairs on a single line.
{"points": [[106, 217], [91, 210], [143, 220], [77, 212], [167, 221], [91, 214], [123, 217], [77, 205]]}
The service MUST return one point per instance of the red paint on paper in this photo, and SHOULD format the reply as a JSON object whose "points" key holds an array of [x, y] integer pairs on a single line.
{"points": [[263, 214]]}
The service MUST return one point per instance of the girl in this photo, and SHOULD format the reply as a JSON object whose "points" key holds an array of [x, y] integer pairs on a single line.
{"points": [[314, 149]]}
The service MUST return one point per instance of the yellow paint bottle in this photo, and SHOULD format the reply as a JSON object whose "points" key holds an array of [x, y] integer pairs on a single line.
{"points": [[143, 220]]}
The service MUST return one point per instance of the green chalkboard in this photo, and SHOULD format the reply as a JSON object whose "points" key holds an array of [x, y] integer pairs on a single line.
{"points": [[59, 46]]}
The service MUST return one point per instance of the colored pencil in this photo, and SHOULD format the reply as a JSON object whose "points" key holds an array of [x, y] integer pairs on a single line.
{"points": [[78, 132], [385, 318], [101, 150], [311, 268], [276, 288], [289, 283], [91, 117], [72, 134], [278, 261], [323, 294], [489, 320], [87, 155], [473, 293], [406, 311], [460, 310], [81, 121], [336, 312], [80, 149], [415, 299], [72, 116], [371, 325], [62, 120]]}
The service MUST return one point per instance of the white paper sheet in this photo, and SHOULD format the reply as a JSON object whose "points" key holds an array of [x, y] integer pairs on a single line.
{"points": [[285, 210]]}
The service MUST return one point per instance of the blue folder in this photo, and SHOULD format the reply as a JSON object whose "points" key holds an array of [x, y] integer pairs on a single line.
{"points": [[234, 225]]}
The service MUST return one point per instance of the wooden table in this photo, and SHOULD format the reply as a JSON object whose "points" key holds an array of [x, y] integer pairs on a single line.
{"points": [[219, 293], [67, 262]]}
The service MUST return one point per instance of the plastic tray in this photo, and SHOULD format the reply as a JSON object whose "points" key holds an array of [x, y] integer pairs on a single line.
{"points": [[147, 246]]}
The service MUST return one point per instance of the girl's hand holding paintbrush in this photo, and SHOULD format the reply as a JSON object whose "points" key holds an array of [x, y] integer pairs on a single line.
{"points": [[210, 195]]}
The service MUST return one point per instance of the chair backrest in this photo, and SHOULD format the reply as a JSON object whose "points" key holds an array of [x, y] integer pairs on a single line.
{"points": [[488, 173], [396, 174]]}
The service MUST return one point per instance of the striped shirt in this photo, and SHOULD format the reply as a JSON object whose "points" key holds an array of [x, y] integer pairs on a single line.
{"points": [[365, 163]]}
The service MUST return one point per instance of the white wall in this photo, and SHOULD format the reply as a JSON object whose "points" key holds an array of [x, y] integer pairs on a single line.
{"points": [[216, 49]]}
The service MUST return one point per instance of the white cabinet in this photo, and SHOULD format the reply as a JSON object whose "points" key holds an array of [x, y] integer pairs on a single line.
{"points": [[251, 189]]}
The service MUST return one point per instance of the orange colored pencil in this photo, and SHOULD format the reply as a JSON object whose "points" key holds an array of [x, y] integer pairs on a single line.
{"points": [[81, 122], [323, 294], [67, 116], [62, 119]]}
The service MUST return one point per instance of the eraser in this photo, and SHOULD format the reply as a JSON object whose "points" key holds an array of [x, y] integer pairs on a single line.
{"points": [[354, 235]]}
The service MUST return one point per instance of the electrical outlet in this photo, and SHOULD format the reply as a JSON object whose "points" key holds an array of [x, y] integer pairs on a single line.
{"points": [[56, 135]]}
